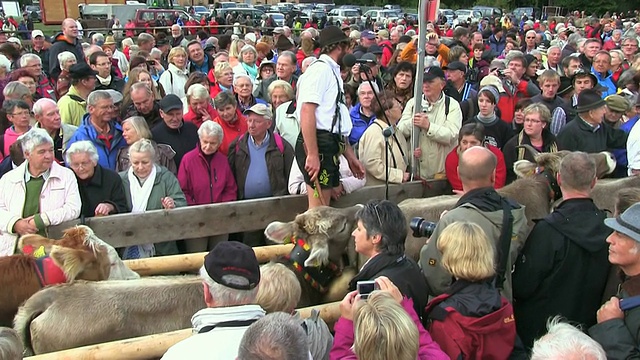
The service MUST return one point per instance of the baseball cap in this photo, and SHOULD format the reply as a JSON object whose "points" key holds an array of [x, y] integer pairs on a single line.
{"points": [[384, 34], [370, 56], [375, 49], [170, 102], [368, 34], [433, 72], [493, 80], [233, 258], [626, 222], [260, 109], [455, 65], [278, 30], [14, 40], [35, 33], [81, 70]]}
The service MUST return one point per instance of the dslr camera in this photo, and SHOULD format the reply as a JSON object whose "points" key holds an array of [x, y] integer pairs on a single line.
{"points": [[422, 227]]}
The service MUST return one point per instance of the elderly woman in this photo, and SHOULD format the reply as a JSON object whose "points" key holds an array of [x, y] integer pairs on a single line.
{"points": [[286, 119], [19, 115], [379, 160], [362, 113], [279, 92], [243, 87], [202, 163], [230, 118], [101, 189], [148, 186], [223, 79], [617, 59], [174, 79], [134, 129], [66, 60], [247, 65], [5, 67], [199, 107], [24, 76], [401, 83], [535, 133], [379, 236]]}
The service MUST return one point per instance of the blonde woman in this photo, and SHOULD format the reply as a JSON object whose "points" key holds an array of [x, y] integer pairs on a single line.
{"points": [[469, 256], [135, 128], [234, 52], [174, 79], [224, 79], [383, 327]]}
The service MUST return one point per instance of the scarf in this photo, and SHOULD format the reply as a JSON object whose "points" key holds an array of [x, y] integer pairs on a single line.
{"points": [[487, 120], [104, 81], [139, 200], [252, 71]]}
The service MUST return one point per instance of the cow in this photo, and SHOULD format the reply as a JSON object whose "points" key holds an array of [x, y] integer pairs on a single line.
{"points": [[79, 255]]}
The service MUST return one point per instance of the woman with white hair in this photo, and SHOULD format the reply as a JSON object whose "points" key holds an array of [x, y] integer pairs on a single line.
{"points": [[174, 79], [223, 77], [101, 190], [247, 63], [199, 108], [148, 186], [5, 67], [206, 178], [135, 128], [66, 60]]}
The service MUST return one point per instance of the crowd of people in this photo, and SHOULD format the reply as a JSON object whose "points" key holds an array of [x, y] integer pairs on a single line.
{"points": [[159, 121]]}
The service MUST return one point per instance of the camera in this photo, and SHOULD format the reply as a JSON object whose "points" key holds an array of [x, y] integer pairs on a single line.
{"points": [[365, 288], [422, 227], [500, 73], [151, 62]]}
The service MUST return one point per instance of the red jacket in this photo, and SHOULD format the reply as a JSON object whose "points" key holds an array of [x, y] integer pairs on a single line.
{"points": [[387, 52], [231, 131], [451, 168], [507, 104], [205, 182], [196, 119]]}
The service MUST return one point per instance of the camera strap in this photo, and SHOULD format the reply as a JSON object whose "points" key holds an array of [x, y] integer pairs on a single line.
{"points": [[504, 244]]}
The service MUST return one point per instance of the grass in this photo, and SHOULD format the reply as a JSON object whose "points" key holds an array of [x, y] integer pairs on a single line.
{"points": [[48, 30]]}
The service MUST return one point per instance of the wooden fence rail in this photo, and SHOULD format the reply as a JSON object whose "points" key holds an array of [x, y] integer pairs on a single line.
{"points": [[154, 346], [226, 218]]}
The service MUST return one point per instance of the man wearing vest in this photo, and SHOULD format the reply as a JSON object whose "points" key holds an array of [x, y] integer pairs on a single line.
{"points": [[502, 220], [230, 277]]}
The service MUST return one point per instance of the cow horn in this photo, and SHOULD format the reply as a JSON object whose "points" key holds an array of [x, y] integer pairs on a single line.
{"points": [[529, 148]]}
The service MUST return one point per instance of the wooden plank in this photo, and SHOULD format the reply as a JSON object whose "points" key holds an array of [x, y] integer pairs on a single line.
{"points": [[238, 216], [154, 346]]}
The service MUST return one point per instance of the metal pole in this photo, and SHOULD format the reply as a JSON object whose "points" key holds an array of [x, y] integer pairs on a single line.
{"points": [[417, 90]]}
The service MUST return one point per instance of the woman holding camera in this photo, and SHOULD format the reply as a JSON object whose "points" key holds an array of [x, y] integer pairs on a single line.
{"points": [[379, 237]]}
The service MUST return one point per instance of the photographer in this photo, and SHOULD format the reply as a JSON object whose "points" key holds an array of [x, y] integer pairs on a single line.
{"points": [[503, 221], [380, 237]]}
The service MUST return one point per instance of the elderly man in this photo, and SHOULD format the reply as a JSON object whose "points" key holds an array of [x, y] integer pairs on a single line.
{"points": [[231, 277], [181, 135], [482, 205], [564, 261], [48, 118], [33, 64], [276, 336], [99, 127], [615, 42], [143, 103], [439, 123], [146, 42], [37, 194], [629, 50], [588, 132], [100, 63], [554, 57], [591, 48], [65, 41], [123, 62], [285, 70], [177, 38], [600, 68], [73, 104], [260, 161], [199, 61], [618, 326], [37, 48]]}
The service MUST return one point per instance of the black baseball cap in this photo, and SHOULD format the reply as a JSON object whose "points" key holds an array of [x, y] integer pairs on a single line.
{"points": [[233, 258], [171, 102], [433, 72], [455, 65]]}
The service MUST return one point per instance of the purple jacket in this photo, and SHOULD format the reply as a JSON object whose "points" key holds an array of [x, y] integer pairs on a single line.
{"points": [[206, 183], [343, 339]]}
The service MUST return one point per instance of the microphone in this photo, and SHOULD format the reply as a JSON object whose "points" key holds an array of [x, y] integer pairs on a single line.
{"points": [[388, 132], [349, 60]]}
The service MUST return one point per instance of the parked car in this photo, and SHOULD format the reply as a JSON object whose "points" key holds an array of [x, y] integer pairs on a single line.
{"points": [[201, 11], [530, 12], [256, 15], [465, 14], [338, 15], [142, 16], [325, 7], [448, 13], [35, 12], [277, 17], [379, 15], [489, 12]]}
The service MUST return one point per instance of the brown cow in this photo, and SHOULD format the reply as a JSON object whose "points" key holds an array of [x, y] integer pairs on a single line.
{"points": [[71, 258]]}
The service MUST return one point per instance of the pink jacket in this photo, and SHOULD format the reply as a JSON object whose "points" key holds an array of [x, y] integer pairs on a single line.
{"points": [[204, 183], [343, 339], [59, 201]]}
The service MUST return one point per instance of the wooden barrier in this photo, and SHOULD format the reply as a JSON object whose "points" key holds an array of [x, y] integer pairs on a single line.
{"points": [[216, 219], [154, 346], [192, 262]]}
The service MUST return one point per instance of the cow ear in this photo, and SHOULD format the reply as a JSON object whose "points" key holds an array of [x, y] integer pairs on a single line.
{"points": [[524, 169], [72, 261], [319, 253], [34, 242], [279, 232]]}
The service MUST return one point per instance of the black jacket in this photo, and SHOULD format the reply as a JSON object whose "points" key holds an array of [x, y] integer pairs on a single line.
{"points": [[105, 186], [497, 133], [562, 270], [262, 90], [182, 140], [44, 57], [153, 118], [61, 44], [402, 271], [511, 153], [116, 84], [577, 135]]}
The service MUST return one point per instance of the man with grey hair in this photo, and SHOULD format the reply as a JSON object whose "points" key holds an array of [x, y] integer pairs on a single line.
{"points": [[177, 38], [16, 90], [146, 42], [99, 127], [285, 70], [231, 277], [97, 39], [277, 336], [553, 60], [73, 104], [33, 64], [48, 118], [37, 194], [564, 341], [67, 40], [571, 47], [564, 260], [143, 103]]}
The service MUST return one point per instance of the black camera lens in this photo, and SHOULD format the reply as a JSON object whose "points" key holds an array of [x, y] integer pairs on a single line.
{"points": [[422, 227]]}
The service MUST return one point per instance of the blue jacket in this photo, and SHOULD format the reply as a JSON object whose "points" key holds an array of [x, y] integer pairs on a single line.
{"points": [[106, 156], [621, 154], [360, 124], [497, 46], [606, 83]]}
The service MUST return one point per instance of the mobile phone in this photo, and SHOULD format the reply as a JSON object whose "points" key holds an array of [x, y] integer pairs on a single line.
{"points": [[365, 288]]}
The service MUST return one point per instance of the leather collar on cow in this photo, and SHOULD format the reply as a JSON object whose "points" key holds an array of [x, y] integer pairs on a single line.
{"points": [[554, 189], [48, 272], [317, 277]]}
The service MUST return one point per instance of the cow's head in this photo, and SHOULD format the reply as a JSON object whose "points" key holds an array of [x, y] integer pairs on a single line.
{"points": [[82, 235], [327, 230], [550, 162]]}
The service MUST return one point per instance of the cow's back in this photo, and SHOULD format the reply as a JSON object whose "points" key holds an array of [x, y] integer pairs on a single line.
{"points": [[18, 281]]}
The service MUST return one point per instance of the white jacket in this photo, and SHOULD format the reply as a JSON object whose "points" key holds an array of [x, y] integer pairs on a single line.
{"points": [[173, 81], [221, 343], [59, 201]]}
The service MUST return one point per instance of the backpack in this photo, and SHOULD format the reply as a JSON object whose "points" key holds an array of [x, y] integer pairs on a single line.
{"points": [[276, 137], [463, 337]]}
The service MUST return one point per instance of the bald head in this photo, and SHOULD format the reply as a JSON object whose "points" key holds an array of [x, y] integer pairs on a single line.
{"points": [[477, 167], [70, 28]]}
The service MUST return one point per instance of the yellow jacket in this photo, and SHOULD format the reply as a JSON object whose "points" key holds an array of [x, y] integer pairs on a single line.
{"points": [[72, 110]]}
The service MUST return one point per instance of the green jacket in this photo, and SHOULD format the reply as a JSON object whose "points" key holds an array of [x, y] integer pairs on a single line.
{"points": [[166, 184]]}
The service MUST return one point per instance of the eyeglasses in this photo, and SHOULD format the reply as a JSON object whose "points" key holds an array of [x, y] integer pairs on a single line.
{"points": [[83, 165], [532, 121], [375, 209], [21, 113]]}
